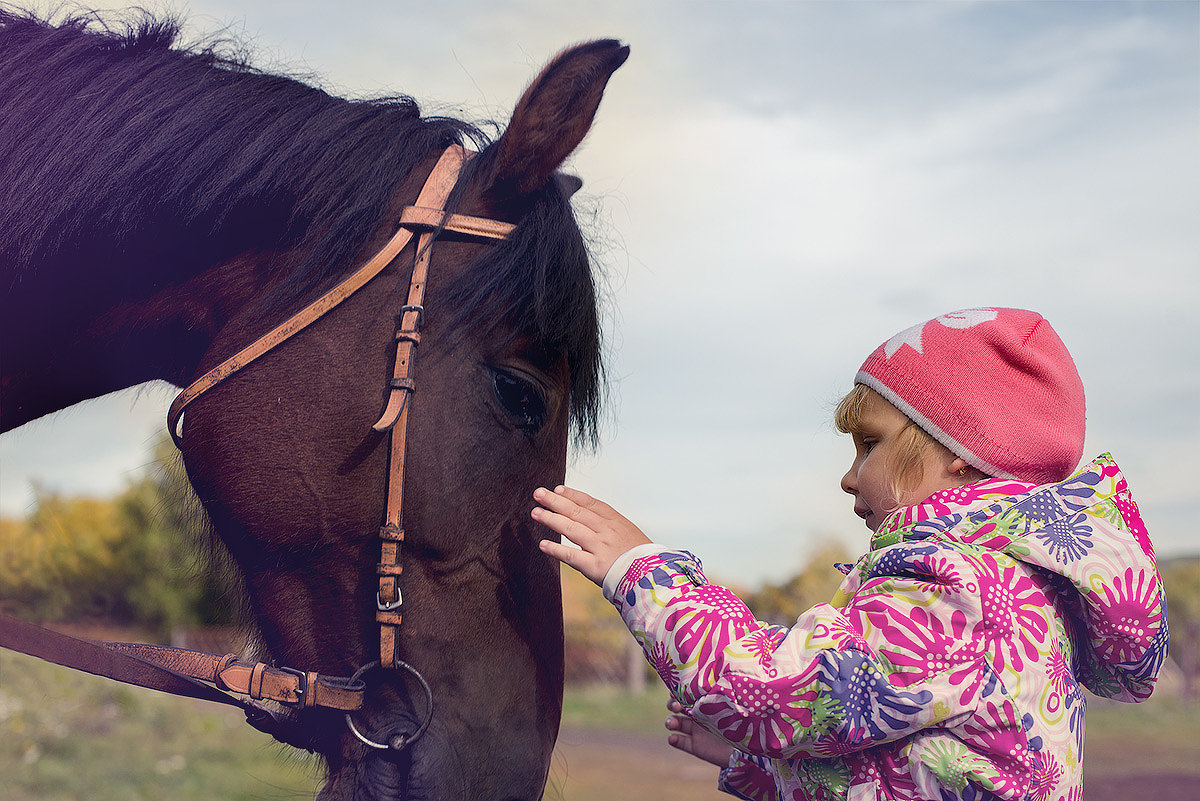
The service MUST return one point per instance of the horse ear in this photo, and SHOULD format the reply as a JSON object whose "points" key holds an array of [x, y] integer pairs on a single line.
{"points": [[552, 117], [569, 184]]}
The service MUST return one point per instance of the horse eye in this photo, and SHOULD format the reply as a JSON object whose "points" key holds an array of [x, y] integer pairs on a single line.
{"points": [[521, 400]]}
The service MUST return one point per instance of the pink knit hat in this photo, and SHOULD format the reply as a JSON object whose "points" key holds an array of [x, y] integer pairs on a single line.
{"points": [[995, 386]]}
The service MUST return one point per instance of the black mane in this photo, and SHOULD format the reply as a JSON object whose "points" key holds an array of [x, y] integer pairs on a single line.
{"points": [[118, 148]]}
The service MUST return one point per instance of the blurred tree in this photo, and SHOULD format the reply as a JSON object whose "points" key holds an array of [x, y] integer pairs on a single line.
{"points": [[142, 557], [1181, 582], [597, 643], [57, 561], [815, 583]]}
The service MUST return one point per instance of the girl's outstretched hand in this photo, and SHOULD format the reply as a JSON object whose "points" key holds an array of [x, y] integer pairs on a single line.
{"points": [[593, 525], [688, 735]]}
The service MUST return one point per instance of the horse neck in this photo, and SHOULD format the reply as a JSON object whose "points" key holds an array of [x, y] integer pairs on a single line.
{"points": [[89, 329]]}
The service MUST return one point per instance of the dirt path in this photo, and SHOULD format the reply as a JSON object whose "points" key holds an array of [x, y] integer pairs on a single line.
{"points": [[595, 764], [591, 765]]}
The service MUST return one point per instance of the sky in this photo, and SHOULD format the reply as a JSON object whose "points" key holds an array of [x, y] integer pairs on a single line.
{"points": [[772, 189]]}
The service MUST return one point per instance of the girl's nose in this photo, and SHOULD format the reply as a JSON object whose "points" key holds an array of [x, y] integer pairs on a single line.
{"points": [[849, 482]]}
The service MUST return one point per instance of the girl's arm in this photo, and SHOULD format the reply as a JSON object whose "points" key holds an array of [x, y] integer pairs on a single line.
{"points": [[816, 690]]}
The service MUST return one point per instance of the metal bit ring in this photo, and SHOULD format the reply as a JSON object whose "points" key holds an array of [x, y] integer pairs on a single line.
{"points": [[397, 742]]}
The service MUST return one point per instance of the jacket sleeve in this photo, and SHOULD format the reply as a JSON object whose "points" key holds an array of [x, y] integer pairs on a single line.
{"points": [[748, 777], [816, 690]]}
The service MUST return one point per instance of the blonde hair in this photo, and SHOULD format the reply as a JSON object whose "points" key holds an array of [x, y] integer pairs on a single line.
{"points": [[906, 467]]}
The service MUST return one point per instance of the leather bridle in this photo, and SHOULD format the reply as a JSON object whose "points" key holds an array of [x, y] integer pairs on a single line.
{"points": [[184, 672]]}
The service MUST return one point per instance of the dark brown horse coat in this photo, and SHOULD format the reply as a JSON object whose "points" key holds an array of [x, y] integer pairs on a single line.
{"points": [[163, 208]]}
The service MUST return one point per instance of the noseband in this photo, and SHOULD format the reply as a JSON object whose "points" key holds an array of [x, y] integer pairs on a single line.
{"points": [[190, 673]]}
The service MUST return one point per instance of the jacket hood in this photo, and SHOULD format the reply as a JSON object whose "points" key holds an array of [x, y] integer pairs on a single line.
{"points": [[1087, 533]]}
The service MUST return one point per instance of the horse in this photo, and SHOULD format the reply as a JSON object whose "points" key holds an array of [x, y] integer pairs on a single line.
{"points": [[163, 206]]}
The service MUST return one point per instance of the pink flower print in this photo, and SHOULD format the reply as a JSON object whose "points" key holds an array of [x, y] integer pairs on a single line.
{"points": [[771, 718], [1133, 521], [864, 770], [939, 504], [921, 645], [748, 780], [1058, 671], [1046, 773], [702, 623], [943, 574], [994, 488], [1128, 617], [896, 777], [989, 535], [762, 644], [995, 731], [1014, 614], [664, 666], [846, 740], [841, 633], [646, 571]]}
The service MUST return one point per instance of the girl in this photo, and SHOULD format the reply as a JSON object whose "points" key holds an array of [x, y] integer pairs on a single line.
{"points": [[949, 664]]}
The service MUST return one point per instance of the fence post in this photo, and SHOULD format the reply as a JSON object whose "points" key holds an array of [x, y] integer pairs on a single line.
{"points": [[635, 666]]}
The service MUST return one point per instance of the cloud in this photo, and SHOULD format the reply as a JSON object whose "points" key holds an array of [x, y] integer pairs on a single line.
{"points": [[778, 187]]}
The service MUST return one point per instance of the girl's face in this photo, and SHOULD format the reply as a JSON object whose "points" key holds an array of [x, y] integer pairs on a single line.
{"points": [[870, 479]]}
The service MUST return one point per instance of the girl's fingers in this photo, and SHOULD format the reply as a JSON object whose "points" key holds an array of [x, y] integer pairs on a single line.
{"points": [[584, 501], [679, 723], [573, 530], [559, 504], [568, 556], [584, 562]]}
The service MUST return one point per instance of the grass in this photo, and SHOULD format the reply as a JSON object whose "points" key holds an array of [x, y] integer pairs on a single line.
{"points": [[612, 708], [67, 735], [1159, 736]]}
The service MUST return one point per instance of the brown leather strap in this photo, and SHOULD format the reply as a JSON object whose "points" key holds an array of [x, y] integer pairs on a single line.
{"points": [[423, 215], [417, 215], [395, 414], [181, 672], [260, 681], [427, 214]]}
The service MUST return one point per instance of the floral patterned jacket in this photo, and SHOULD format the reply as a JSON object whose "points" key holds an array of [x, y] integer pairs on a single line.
{"points": [[948, 666]]}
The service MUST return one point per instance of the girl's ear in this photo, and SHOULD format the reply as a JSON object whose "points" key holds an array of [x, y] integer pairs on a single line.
{"points": [[963, 473]]}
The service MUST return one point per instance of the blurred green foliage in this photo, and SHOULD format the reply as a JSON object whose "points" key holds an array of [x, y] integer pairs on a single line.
{"points": [[815, 583], [141, 558], [1181, 582]]}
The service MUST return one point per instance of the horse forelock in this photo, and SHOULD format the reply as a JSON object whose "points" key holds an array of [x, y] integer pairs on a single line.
{"points": [[541, 282]]}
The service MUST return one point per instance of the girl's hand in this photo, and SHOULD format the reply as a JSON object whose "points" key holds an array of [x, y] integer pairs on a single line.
{"points": [[593, 525], [696, 740]]}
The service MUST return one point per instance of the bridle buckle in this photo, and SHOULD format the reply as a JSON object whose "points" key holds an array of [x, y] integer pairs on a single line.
{"points": [[389, 606], [301, 687]]}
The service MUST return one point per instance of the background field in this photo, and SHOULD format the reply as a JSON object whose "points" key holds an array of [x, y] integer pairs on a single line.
{"points": [[66, 735]]}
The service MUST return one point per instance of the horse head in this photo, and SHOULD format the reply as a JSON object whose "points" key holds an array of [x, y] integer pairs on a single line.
{"points": [[292, 474]]}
